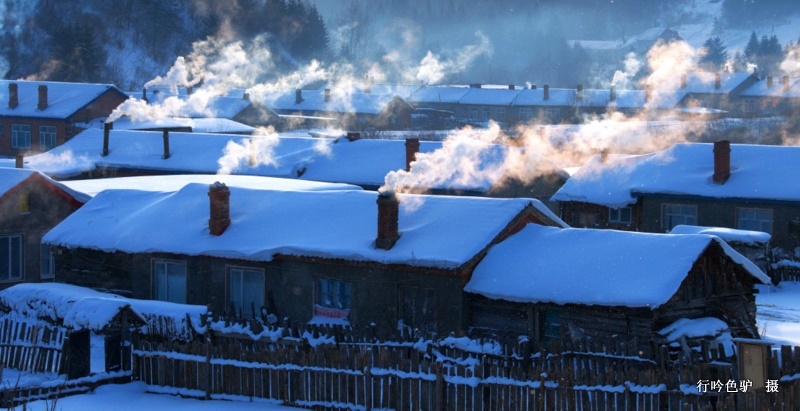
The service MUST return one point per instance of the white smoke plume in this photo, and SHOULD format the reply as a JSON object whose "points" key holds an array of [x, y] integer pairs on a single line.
{"points": [[668, 60], [433, 68], [255, 151], [624, 78], [791, 63]]}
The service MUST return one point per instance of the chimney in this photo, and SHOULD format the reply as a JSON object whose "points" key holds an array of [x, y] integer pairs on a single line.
{"points": [[533, 86], [42, 97], [683, 80], [412, 148], [388, 214], [220, 217], [722, 161], [604, 155], [579, 91], [612, 94], [18, 161], [298, 96], [475, 85], [546, 93], [166, 144], [13, 96], [769, 81], [107, 127], [367, 88], [189, 90], [352, 136], [246, 96], [785, 83], [717, 81], [144, 94], [512, 87], [326, 96], [648, 93]]}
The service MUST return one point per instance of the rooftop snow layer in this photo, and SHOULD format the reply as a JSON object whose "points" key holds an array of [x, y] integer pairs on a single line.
{"points": [[12, 177], [314, 101], [705, 82], [757, 172], [436, 231], [198, 125], [439, 94], [592, 267], [730, 235], [63, 99], [762, 89]]}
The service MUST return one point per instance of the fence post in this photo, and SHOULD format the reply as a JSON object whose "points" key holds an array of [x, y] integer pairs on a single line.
{"points": [[440, 392], [209, 346], [368, 387]]}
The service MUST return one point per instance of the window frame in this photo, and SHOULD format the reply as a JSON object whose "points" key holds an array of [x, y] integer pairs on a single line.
{"points": [[46, 254], [473, 113], [44, 137], [229, 288], [664, 206], [739, 211], [16, 134], [329, 309], [154, 279], [20, 257], [618, 219], [525, 113], [487, 114]]}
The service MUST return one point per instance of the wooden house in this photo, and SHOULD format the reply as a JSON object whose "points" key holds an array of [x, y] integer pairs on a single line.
{"points": [[30, 205], [773, 96], [721, 185], [310, 256], [38, 115], [718, 91], [573, 286]]}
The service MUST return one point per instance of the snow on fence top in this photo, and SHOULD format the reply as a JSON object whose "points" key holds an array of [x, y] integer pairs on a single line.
{"points": [[757, 172], [592, 267], [435, 231], [83, 308], [730, 235]]}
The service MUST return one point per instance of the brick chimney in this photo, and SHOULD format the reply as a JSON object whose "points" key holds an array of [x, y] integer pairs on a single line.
{"points": [[612, 94], [722, 161], [512, 87], [353, 136], [298, 96], [683, 80], [42, 97], [326, 95], [785, 83], [107, 127], [579, 91], [13, 95], [189, 90], [718, 81], [533, 86], [546, 93], [604, 155], [388, 215], [144, 94], [475, 85], [166, 144], [246, 96], [220, 217], [648, 93], [18, 161], [412, 148], [769, 81]]}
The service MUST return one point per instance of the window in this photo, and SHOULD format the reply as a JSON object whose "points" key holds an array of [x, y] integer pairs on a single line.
{"points": [[754, 219], [333, 298], [473, 114], [20, 136], [551, 325], [24, 203], [169, 281], [418, 308], [245, 290], [677, 214], [10, 257], [2, 130], [620, 216], [487, 114], [48, 261], [501, 114], [47, 137], [553, 114], [525, 114]]}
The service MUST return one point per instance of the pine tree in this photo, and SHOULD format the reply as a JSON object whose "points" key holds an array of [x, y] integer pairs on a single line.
{"points": [[715, 54], [752, 48]]}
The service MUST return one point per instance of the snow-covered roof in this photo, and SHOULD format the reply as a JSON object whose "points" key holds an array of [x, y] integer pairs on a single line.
{"points": [[757, 172], [439, 94], [403, 90], [730, 235], [13, 177], [592, 267], [198, 125], [173, 183], [63, 99], [705, 82], [435, 231], [198, 105], [535, 97], [599, 98], [489, 96], [340, 101], [762, 89]]}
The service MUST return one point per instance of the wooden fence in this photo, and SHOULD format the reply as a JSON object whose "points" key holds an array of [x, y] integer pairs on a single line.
{"points": [[32, 347], [402, 377]]}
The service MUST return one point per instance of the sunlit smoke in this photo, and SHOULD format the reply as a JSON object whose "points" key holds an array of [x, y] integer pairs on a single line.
{"points": [[624, 78], [791, 64], [433, 68], [666, 60], [258, 150]]}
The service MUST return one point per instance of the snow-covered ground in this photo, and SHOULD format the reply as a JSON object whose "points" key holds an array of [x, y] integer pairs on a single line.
{"points": [[778, 312], [134, 396]]}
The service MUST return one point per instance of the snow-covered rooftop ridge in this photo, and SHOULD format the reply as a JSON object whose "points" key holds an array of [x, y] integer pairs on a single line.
{"points": [[12, 177], [337, 101], [198, 125], [435, 231], [762, 88], [592, 267], [757, 172], [84, 308], [730, 235], [705, 82], [63, 99], [203, 107]]}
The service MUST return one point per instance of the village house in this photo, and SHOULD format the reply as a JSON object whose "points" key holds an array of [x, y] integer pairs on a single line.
{"points": [[30, 205], [38, 115], [260, 248], [559, 286], [773, 96], [714, 91], [721, 185]]}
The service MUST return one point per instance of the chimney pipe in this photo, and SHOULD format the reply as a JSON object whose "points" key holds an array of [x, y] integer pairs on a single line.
{"points": [[475, 85], [412, 148], [13, 95], [367, 88], [579, 91], [144, 94], [722, 161], [769, 81], [546, 92], [42, 97], [785, 83], [604, 155], [612, 94], [648, 93], [512, 87], [220, 216], [353, 136], [166, 144], [683, 80], [107, 127], [246, 96], [533, 86], [327, 95], [18, 161], [718, 81], [388, 215], [189, 90], [298, 96]]}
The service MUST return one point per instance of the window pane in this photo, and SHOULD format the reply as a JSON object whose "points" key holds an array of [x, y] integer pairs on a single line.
{"points": [[16, 257], [5, 260], [161, 281], [253, 291], [235, 287], [48, 270]]}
